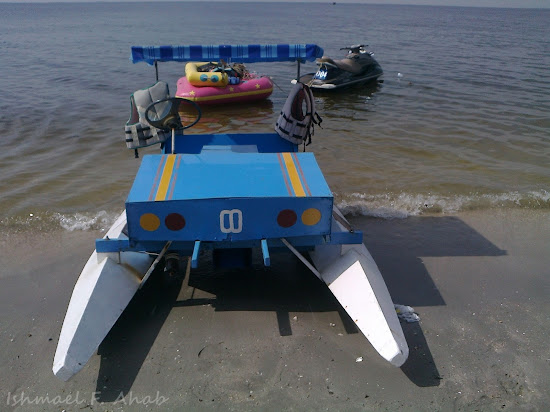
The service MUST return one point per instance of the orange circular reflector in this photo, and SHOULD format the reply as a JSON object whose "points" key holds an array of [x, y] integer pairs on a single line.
{"points": [[149, 222], [311, 216]]}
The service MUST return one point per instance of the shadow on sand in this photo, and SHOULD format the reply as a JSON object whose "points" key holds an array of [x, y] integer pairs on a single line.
{"points": [[407, 278], [126, 346], [287, 286]]}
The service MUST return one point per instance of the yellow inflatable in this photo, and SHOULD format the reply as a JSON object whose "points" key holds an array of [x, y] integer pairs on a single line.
{"points": [[197, 78]]}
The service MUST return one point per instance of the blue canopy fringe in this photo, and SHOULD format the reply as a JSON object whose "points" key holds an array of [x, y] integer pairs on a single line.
{"points": [[242, 53]]}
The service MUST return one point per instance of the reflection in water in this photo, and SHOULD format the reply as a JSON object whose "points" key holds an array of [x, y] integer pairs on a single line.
{"points": [[346, 100], [247, 117]]}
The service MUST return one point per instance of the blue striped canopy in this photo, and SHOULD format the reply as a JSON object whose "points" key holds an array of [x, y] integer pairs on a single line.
{"points": [[242, 53]]}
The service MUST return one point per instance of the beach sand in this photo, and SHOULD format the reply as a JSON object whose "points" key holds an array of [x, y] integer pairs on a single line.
{"points": [[275, 339]]}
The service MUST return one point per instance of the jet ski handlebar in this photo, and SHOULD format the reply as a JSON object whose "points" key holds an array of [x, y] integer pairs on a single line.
{"points": [[355, 48]]}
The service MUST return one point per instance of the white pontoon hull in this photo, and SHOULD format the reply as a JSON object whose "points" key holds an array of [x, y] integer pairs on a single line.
{"points": [[102, 292], [355, 280]]}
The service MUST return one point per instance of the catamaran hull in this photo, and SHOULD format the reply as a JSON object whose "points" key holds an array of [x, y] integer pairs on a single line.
{"points": [[109, 281], [355, 280], [102, 292]]}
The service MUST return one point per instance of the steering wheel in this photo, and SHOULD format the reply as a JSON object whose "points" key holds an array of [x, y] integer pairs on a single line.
{"points": [[164, 114]]}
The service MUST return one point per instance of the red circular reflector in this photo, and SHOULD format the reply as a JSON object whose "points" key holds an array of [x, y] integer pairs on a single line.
{"points": [[174, 221], [287, 218]]}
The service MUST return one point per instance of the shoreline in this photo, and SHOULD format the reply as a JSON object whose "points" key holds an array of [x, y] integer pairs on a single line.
{"points": [[275, 339]]}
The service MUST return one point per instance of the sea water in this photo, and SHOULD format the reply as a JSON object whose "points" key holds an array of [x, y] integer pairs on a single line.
{"points": [[461, 120]]}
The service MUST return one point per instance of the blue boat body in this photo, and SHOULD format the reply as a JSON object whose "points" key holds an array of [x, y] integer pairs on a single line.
{"points": [[199, 187], [229, 191]]}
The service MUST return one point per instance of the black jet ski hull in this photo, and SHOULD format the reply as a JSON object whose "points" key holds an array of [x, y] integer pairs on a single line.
{"points": [[356, 68], [320, 85]]}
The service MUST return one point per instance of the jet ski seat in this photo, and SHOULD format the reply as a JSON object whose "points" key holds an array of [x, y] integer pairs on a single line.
{"points": [[139, 133], [348, 64]]}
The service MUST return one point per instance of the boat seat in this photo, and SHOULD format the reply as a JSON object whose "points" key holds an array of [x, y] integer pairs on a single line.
{"points": [[139, 133]]}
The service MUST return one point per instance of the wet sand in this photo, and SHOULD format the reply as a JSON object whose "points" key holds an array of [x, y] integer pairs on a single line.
{"points": [[276, 339]]}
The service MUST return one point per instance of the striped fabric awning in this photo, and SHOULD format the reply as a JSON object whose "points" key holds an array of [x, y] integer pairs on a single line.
{"points": [[242, 53]]}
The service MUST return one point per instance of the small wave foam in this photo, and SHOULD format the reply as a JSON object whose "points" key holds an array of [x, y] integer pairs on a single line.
{"points": [[44, 222], [82, 221], [386, 206], [402, 205]]}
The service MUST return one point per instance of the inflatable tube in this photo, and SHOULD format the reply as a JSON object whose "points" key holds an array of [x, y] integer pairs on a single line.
{"points": [[201, 79], [246, 91]]}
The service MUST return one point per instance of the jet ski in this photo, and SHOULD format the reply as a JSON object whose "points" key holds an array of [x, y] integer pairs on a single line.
{"points": [[358, 66]]}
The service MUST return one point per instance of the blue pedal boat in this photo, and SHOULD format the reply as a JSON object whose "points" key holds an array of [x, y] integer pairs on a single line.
{"points": [[229, 193]]}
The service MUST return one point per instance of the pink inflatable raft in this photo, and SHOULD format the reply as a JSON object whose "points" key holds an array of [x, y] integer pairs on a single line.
{"points": [[217, 86]]}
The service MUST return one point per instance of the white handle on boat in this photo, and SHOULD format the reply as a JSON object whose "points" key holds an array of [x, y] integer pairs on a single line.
{"points": [[156, 261], [301, 257]]}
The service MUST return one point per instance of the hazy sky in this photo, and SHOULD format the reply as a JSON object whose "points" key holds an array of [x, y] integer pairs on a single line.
{"points": [[472, 3]]}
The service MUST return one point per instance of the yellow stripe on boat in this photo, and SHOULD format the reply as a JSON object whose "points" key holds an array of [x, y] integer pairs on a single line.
{"points": [[293, 174], [166, 177]]}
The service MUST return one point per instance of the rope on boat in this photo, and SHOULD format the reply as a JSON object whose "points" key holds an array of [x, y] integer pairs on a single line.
{"points": [[273, 81]]}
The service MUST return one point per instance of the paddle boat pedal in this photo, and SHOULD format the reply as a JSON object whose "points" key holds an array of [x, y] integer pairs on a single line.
{"points": [[229, 193]]}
